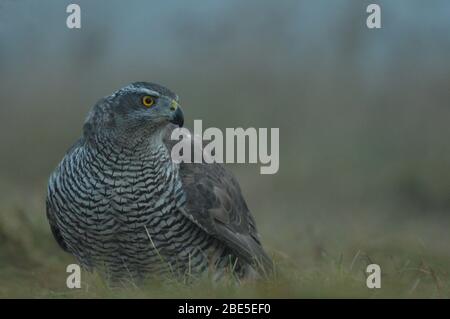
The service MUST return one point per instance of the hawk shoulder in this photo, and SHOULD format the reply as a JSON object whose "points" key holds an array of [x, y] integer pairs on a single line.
{"points": [[216, 204]]}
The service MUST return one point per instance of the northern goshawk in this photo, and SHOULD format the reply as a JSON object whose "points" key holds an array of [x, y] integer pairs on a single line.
{"points": [[119, 203]]}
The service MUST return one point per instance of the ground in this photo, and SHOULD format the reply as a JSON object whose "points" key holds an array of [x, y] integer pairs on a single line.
{"points": [[312, 262]]}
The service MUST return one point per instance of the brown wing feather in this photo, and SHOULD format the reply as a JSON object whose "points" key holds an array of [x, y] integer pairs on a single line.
{"points": [[215, 203]]}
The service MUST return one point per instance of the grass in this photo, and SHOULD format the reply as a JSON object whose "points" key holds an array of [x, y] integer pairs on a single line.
{"points": [[326, 263]]}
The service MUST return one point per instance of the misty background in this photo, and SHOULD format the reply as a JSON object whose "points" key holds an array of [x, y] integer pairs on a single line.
{"points": [[363, 114]]}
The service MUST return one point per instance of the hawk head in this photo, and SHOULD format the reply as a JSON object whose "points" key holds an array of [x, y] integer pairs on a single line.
{"points": [[138, 110]]}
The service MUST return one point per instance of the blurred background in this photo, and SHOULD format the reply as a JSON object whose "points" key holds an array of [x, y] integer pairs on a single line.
{"points": [[363, 115]]}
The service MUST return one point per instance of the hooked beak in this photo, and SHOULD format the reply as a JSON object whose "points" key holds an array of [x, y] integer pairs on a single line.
{"points": [[177, 114]]}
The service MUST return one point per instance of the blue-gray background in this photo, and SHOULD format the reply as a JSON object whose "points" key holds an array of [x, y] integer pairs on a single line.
{"points": [[363, 114]]}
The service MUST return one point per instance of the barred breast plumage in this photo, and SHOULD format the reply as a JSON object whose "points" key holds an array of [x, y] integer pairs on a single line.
{"points": [[118, 202]]}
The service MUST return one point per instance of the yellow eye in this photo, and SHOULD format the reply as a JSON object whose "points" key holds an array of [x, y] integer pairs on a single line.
{"points": [[148, 101]]}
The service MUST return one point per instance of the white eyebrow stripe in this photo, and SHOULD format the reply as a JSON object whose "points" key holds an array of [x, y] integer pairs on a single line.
{"points": [[149, 92]]}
